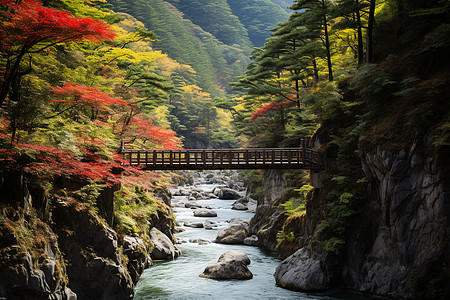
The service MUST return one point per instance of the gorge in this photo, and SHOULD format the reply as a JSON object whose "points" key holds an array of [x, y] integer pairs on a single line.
{"points": [[366, 83]]}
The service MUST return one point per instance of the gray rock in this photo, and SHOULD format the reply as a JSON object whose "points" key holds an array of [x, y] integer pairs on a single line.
{"points": [[228, 194], [138, 257], [301, 272], [233, 234], [203, 212], [163, 247], [194, 224], [209, 225], [231, 265], [239, 206], [251, 241], [192, 205]]}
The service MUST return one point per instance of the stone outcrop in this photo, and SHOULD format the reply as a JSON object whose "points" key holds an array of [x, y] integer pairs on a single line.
{"points": [[399, 243], [31, 264], [163, 247], [231, 265], [304, 271], [406, 228], [138, 257], [95, 269], [235, 233], [269, 217]]}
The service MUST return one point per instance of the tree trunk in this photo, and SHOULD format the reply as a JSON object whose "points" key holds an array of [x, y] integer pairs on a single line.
{"points": [[370, 25], [316, 71], [327, 43], [360, 37]]}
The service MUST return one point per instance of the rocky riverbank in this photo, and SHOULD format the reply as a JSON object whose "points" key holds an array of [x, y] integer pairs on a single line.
{"points": [[74, 250]]}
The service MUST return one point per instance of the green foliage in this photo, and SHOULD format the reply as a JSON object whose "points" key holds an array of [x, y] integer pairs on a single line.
{"points": [[297, 205], [283, 237], [336, 224], [89, 194], [134, 207], [191, 44]]}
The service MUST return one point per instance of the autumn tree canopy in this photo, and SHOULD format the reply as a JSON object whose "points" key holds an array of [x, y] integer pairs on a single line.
{"points": [[29, 27]]}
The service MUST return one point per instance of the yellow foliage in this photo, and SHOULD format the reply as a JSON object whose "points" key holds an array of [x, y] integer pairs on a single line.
{"points": [[169, 66], [160, 114]]}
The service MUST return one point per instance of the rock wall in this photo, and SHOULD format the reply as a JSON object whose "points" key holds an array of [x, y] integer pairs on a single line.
{"points": [[269, 218], [72, 253], [405, 225], [400, 242]]}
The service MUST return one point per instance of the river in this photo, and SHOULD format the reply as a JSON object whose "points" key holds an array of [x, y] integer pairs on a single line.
{"points": [[179, 279]]}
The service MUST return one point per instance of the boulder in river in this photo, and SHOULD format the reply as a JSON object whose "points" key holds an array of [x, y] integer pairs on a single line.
{"points": [[244, 203], [303, 272], [251, 241], [163, 247], [231, 265], [228, 194], [209, 225], [194, 224], [233, 234], [192, 205], [203, 212]]}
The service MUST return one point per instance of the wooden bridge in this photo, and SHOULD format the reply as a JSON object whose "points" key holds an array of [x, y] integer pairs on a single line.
{"points": [[221, 159]]}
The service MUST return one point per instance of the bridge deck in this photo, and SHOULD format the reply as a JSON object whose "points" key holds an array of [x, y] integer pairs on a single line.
{"points": [[215, 159]]}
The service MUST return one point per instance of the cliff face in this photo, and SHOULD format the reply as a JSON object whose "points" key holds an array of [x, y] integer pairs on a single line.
{"points": [[71, 253], [269, 217], [400, 240], [403, 243]]}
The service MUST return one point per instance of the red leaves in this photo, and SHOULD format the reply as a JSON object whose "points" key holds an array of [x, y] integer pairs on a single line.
{"points": [[144, 129], [75, 93], [272, 106], [29, 23]]}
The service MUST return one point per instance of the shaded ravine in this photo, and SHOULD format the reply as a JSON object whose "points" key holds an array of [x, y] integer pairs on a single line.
{"points": [[179, 279]]}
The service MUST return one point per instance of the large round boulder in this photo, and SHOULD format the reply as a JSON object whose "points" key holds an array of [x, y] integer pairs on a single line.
{"points": [[303, 272], [163, 247], [233, 234], [231, 265], [228, 194]]}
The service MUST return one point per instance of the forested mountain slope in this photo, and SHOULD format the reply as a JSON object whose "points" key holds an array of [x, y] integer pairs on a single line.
{"points": [[284, 4], [258, 16], [210, 37]]}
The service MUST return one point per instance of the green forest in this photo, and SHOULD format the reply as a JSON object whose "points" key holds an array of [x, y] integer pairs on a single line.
{"points": [[78, 78]]}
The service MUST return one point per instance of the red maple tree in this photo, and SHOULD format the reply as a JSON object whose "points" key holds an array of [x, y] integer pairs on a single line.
{"points": [[27, 27], [75, 93], [272, 106], [144, 129]]}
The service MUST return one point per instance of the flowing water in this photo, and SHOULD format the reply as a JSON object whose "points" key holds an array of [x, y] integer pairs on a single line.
{"points": [[179, 279]]}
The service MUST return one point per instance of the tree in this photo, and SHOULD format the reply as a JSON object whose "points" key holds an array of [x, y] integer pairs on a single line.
{"points": [[351, 13], [316, 14], [370, 26], [28, 28]]}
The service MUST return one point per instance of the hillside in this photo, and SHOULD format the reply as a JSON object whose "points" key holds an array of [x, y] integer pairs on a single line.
{"points": [[209, 37]]}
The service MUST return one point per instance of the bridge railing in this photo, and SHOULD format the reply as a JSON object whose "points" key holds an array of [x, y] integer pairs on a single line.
{"points": [[252, 158]]}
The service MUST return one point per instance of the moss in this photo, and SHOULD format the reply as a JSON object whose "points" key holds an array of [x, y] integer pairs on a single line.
{"points": [[289, 238], [23, 234]]}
